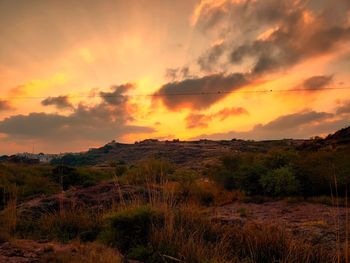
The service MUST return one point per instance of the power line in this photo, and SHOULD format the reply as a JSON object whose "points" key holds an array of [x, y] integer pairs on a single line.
{"points": [[218, 92]]}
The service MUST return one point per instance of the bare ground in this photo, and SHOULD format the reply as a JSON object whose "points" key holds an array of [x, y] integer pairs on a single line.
{"points": [[315, 223]]}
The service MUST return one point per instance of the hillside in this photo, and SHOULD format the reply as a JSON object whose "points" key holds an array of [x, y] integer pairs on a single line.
{"points": [[339, 139], [195, 154], [192, 154]]}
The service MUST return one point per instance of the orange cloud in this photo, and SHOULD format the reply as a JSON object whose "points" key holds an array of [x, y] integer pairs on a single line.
{"points": [[197, 120]]}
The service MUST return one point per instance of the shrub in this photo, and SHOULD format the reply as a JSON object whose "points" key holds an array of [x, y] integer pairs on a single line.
{"points": [[186, 179], [319, 171], [129, 228], [240, 172], [141, 252], [224, 174], [280, 182], [69, 176], [248, 177]]}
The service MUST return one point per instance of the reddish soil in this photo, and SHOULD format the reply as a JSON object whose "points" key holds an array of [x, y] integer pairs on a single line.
{"points": [[28, 251]]}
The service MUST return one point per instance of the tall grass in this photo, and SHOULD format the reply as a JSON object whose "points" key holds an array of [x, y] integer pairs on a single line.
{"points": [[171, 223], [187, 234], [8, 216]]}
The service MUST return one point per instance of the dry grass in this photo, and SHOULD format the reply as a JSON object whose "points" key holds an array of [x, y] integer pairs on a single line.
{"points": [[189, 237], [186, 234], [8, 218]]}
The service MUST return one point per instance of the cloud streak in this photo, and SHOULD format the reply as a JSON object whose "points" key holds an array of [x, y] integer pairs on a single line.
{"points": [[317, 82], [197, 120]]}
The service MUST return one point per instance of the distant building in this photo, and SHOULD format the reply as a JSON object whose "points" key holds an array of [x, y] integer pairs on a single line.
{"points": [[40, 158]]}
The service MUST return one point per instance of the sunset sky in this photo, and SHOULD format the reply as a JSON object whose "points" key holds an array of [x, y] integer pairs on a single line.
{"points": [[78, 74]]}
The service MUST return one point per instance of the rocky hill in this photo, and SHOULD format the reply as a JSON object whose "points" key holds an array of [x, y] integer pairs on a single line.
{"points": [[339, 139], [187, 153]]}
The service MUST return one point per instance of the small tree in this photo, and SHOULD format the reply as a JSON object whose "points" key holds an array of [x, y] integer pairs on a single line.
{"points": [[280, 182]]}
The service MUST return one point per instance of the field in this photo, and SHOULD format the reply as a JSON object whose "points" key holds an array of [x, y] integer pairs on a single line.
{"points": [[282, 201]]}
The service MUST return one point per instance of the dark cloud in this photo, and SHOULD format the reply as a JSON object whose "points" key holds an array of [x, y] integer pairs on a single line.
{"points": [[186, 93], [196, 120], [211, 57], [269, 35], [293, 31], [317, 82], [5, 105], [292, 121], [61, 102], [102, 122], [116, 96], [55, 128], [171, 73], [177, 73], [290, 44], [344, 109]]}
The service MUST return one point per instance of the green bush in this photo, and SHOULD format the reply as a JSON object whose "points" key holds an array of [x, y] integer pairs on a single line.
{"points": [[321, 170], [280, 182], [248, 177], [141, 253], [241, 172], [130, 228], [69, 176]]}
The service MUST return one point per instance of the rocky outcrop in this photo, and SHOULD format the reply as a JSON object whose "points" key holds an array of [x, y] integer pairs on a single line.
{"points": [[97, 197]]}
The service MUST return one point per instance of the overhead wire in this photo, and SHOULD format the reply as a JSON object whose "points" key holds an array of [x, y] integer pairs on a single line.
{"points": [[217, 92]]}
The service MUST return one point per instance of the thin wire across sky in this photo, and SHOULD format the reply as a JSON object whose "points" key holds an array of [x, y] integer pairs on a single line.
{"points": [[217, 92]]}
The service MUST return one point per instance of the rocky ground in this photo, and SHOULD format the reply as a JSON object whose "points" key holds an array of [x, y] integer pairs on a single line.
{"points": [[28, 251], [96, 197]]}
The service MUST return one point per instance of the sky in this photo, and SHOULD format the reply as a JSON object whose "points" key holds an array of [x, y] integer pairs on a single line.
{"points": [[77, 74]]}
